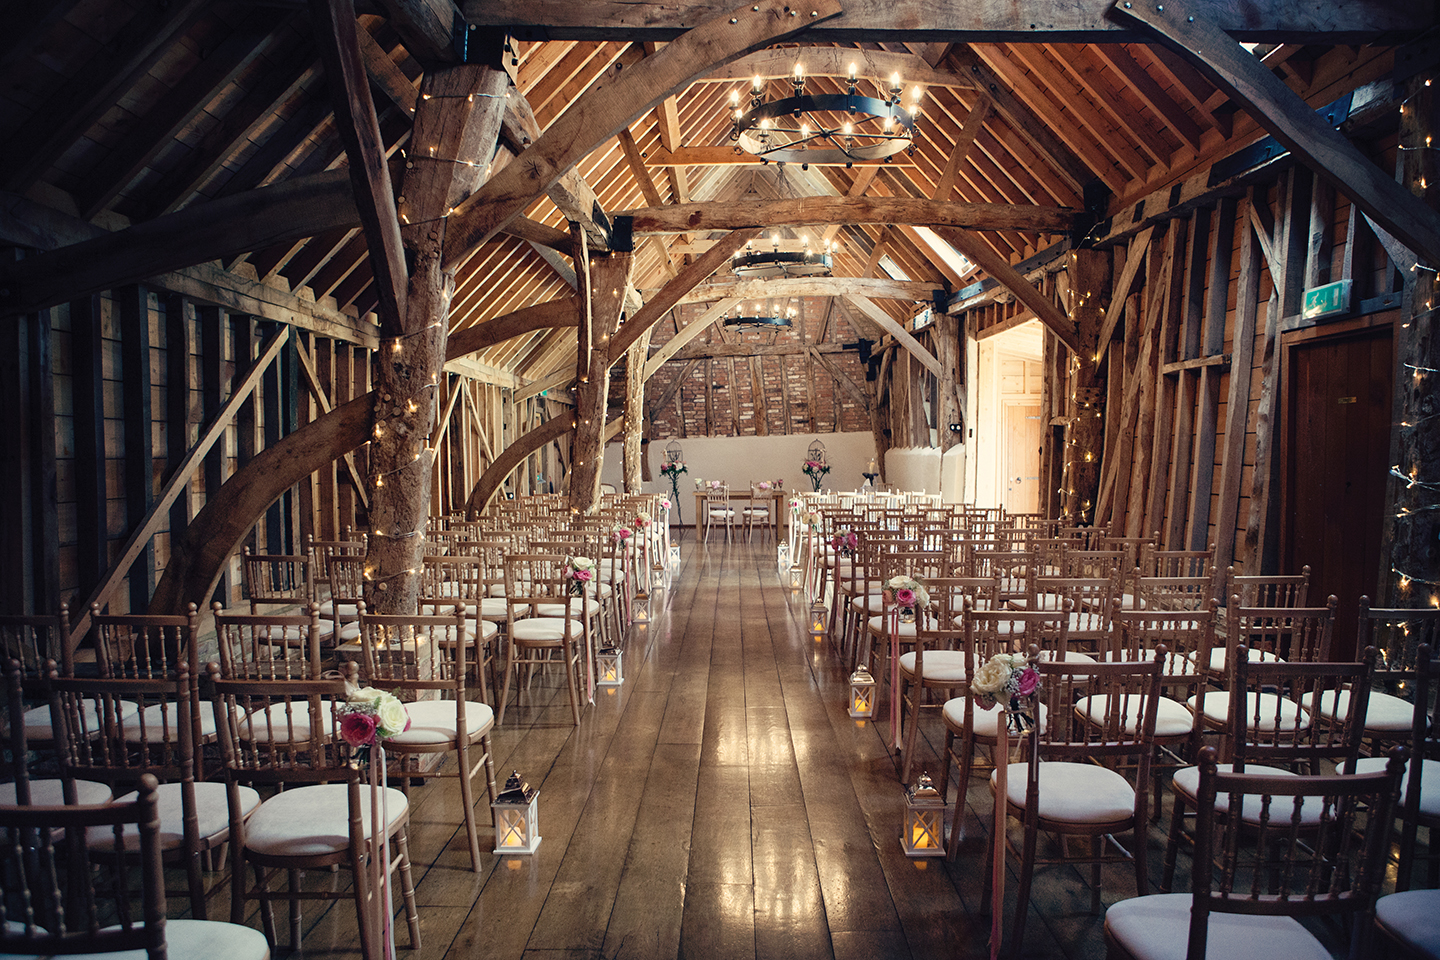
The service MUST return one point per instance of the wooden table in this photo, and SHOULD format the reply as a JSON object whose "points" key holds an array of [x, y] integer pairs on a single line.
{"points": [[779, 516]]}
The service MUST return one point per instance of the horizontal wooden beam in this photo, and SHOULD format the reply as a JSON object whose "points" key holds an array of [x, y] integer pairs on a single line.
{"points": [[1191, 30], [953, 21], [823, 211], [289, 210], [720, 351], [876, 288], [725, 155], [540, 316], [561, 378], [835, 62], [1009, 323], [1221, 360]]}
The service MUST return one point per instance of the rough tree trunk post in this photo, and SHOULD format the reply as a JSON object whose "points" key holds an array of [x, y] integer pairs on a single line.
{"points": [[635, 411], [457, 121], [604, 280], [952, 360], [1085, 432], [1410, 568]]}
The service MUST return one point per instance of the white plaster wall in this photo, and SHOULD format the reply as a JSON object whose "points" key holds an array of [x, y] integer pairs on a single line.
{"points": [[913, 468], [738, 460]]}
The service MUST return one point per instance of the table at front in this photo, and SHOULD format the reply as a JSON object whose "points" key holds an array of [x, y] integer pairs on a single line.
{"points": [[779, 516]]}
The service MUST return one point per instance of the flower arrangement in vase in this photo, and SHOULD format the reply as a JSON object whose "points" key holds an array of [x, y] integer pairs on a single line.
{"points": [[579, 571], [908, 594], [815, 470], [1007, 677]]}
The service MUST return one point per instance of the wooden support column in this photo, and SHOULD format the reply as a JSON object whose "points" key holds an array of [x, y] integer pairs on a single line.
{"points": [[635, 412], [179, 345], [604, 284], [92, 546], [1410, 546], [1085, 407], [951, 382], [1186, 381], [1164, 387], [1237, 403], [1207, 405], [131, 304]]}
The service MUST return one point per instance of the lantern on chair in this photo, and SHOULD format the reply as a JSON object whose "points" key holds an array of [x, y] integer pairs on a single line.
{"points": [[517, 821], [611, 665], [924, 820], [640, 610], [862, 694], [819, 617]]}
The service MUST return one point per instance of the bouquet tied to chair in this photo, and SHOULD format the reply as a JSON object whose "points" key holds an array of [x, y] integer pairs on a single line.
{"points": [[1009, 679], [906, 593], [368, 718]]}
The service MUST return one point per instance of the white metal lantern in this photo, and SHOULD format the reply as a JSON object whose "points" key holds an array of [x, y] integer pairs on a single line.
{"points": [[517, 821], [819, 619], [641, 607], [782, 557], [796, 577], [862, 694], [674, 556], [657, 575], [611, 664], [924, 834]]}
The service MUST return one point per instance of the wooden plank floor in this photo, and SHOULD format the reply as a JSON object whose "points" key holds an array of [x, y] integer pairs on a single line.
{"points": [[721, 804]]}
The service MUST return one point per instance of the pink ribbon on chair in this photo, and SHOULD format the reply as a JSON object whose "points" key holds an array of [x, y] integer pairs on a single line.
{"points": [[1002, 803], [894, 615], [380, 846]]}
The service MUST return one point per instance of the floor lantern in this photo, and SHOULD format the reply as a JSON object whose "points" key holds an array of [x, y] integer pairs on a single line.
{"points": [[862, 694], [782, 559], [657, 575], [640, 611], [796, 576], [674, 556], [517, 821], [924, 820], [611, 665], [819, 615]]}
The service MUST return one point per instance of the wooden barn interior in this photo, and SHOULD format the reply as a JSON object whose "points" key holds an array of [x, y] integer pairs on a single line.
{"points": [[280, 273]]}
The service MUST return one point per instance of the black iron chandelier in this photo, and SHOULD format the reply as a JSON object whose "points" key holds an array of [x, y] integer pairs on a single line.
{"points": [[826, 128], [762, 321], [767, 264]]}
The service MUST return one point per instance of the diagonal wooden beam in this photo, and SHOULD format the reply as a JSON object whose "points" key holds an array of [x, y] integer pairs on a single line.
{"points": [[1121, 290], [669, 392], [964, 140], [903, 336], [359, 130], [687, 333], [427, 27], [614, 101], [317, 390], [1010, 278], [1190, 30], [556, 380], [686, 280], [840, 377]]}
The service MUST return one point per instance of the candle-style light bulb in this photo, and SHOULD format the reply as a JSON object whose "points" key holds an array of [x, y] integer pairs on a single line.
{"points": [[734, 98], [852, 70], [757, 84], [799, 70], [895, 85]]}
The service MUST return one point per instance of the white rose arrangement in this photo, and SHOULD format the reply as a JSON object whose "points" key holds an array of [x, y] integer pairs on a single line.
{"points": [[369, 716], [906, 592], [1008, 677]]}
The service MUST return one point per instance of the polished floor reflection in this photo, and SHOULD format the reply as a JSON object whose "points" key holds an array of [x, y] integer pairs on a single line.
{"points": [[720, 804]]}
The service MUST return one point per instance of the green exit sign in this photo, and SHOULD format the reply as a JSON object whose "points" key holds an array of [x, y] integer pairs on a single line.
{"points": [[1323, 301]]}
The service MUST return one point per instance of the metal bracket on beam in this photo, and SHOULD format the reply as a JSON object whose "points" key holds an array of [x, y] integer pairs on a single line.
{"points": [[622, 232]]}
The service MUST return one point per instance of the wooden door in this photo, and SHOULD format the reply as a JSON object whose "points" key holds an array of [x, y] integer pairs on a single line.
{"points": [[1023, 435], [1338, 443]]}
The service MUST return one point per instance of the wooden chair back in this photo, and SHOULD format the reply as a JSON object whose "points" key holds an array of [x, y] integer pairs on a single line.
{"points": [[32, 639], [282, 732], [1155, 562], [97, 737], [1014, 631], [412, 656], [1290, 633], [70, 907], [1344, 819], [1174, 593], [268, 647], [1298, 714], [1123, 736], [1399, 635], [273, 579], [1269, 590], [146, 646]]}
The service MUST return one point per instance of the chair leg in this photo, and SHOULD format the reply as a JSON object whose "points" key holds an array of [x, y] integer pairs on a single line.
{"points": [[505, 693], [1142, 860], [1097, 847], [1022, 891], [467, 799], [196, 881], [1172, 844], [572, 681], [917, 690], [297, 923], [407, 886], [237, 885]]}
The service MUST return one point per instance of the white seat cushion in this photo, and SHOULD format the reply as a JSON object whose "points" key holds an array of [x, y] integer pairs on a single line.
{"points": [[347, 610], [1429, 781], [51, 793], [1413, 918], [287, 723], [1176, 664], [1187, 783], [315, 821], [987, 722], [433, 721], [1274, 711], [1078, 793], [184, 940], [868, 603], [155, 723], [37, 720], [576, 604], [1172, 718], [1157, 927], [941, 666], [1383, 714], [880, 626], [212, 815], [545, 630], [1217, 658], [494, 608]]}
